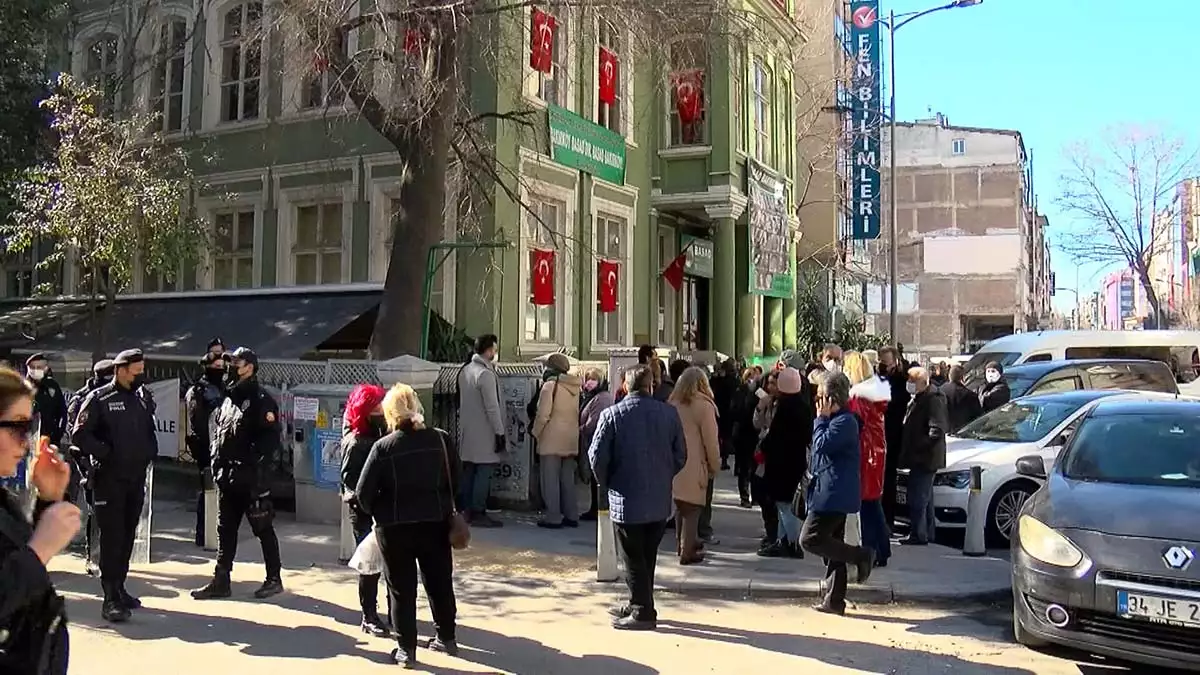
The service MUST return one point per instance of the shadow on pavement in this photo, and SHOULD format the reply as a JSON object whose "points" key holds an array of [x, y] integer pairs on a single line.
{"points": [[522, 655], [844, 653]]}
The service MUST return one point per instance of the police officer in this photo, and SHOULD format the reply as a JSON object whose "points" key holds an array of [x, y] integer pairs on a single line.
{"points": [[102, 373], [115, 429], [201, 401], [50, 403], [245, 438], [216, 347]]}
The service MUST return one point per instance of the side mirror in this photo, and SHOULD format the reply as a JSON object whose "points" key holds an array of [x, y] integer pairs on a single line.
{"points": [[1032, 466]]}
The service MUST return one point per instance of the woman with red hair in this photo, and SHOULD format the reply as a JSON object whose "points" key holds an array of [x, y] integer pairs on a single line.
{"points": [[363, 424]]}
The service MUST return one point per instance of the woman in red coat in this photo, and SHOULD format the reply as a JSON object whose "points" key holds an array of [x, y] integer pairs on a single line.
{"points": [[869, 397]]}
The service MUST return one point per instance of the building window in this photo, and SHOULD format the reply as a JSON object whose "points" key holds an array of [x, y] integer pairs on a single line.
{"points": [[738, 84], [102, 69], [167, 78], [241, 62], [233, 249], [611, 237], [318, 90], [762, 112], [542, 231], [611, 115], [317, 247], [958, 146], [553, 87], [689, 57]]}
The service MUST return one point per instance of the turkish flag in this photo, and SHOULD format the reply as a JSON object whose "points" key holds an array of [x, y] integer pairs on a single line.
{"points": [[608, 76], [320, 63], [608, 272], [674, 272], [541, 41], [689, 95], [541, 271], [413, 41]]}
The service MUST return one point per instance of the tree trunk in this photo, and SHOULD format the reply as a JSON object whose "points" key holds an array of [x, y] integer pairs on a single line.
{"points": [[419, 225], [1156, 317]]}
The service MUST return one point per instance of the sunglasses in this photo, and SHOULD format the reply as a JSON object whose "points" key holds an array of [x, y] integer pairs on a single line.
{"points": [[22, 428]]}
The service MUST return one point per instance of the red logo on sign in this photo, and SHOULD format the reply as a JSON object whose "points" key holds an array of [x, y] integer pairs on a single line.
{"points": [[864, 17]]}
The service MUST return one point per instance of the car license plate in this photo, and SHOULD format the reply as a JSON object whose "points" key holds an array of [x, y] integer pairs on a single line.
{"points": [[1159, 609], [901, 495]]}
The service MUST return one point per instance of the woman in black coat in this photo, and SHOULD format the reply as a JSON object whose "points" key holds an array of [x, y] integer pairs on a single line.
{"points": [[33, 621], [785, 459], [363, 424], [995, 391]]}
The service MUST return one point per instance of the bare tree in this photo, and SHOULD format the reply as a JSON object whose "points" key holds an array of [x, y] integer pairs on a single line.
{"points": [[1119, 187], [408, 77]]}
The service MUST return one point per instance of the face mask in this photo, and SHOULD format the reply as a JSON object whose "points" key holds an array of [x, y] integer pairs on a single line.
{"points": [[991, 376], [231, 377], [590, 385], [378, 425], [832, 366], [36, 374], [911, 387], [138, 381], [214, 375]]}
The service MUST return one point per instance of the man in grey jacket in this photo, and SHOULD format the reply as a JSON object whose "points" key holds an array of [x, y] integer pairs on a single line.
{"points": [[482, 425]]}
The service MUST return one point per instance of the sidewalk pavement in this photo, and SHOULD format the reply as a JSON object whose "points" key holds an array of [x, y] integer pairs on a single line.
{"points": [[934, 575]]}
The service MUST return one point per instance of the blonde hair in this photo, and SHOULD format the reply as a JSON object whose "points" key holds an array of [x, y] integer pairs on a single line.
{"points": [[872, 357], [593, 373], [856, 367], [400, 405], [693, 382]]}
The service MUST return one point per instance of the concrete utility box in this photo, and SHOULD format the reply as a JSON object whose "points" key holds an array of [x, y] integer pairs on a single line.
{"points": [[315, 414]]}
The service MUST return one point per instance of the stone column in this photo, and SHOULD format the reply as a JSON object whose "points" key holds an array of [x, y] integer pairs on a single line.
{"points": [[413, 371], [745, 299], [726, 285]]}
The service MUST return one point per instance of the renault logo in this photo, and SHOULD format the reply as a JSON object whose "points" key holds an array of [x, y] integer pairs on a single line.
{"points": [[1178, 558]]}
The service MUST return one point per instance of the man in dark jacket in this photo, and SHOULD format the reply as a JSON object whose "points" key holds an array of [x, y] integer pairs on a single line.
{"points": [[102, 372], [724, 384], [49, 401], [924, 452], [995, 391], [961, 403], [245, 438], [636, 452], [200, 402], [115, 429], [894, 370]]}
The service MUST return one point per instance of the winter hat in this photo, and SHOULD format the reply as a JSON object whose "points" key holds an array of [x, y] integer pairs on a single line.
{"points": [[788, 381], [559, 362]]}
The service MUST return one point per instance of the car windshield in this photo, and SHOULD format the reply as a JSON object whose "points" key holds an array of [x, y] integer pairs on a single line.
{"points": [[1151, 449], [973, 369], [1023, 421]]}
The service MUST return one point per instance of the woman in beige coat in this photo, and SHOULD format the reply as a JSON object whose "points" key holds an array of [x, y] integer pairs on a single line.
{"points": [[693, 399], [556, 429]]}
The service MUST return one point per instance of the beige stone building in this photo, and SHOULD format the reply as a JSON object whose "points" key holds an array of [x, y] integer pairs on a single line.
{"points": [[974, 263]]}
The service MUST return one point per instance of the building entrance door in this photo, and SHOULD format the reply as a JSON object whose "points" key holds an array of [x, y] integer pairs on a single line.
{"points": [[695, 328]]}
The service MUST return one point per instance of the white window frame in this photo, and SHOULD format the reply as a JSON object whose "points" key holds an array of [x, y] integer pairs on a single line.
{"points": [[564, 258], [762, 75], [624, 77], [210, 207], [291, 199], [567, 25], [737, 85], [958, 147], [383, 191], [212, 80], [602, 208], [672, 112], [295, 80]]}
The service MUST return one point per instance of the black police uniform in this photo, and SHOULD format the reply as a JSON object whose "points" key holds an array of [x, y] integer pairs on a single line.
{"points": [[245, 437], [49, 404], [202, 399], [115, 429], [81, 464]]}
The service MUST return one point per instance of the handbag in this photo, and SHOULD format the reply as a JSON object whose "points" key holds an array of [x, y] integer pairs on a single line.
{"points": [[460, 532], [800, 499]]}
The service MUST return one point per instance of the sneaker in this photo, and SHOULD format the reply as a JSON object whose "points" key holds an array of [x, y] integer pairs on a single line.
{"points": [[374, 625], [631, 623], [92, 569], [827, 609], [447, 647], [215, 589], [620, 611], [773, 550], [130, 601], [406, 658], [114, 612], [269, 587]]}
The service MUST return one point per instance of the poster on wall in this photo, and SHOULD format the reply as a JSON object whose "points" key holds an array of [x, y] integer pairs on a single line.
{"points": [[771, 264], [511, 479], [166, 416], [325, 448]]}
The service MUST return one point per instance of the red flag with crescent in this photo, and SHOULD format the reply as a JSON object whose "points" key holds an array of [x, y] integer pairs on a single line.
{"points": [[541, 274], [689, 95], [674, 272], [541, 41], [608, 76], [608, 273]]}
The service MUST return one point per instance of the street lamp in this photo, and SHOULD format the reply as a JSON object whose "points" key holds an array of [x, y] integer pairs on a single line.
{"points": [[892, 27]]}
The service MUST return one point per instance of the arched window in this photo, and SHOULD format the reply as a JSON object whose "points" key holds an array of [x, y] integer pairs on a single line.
{"points": [[241, 61], [167, 79], [102, 68]]}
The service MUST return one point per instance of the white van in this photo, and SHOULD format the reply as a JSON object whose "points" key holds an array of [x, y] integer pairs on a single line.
{"points": [[1180, 349]]}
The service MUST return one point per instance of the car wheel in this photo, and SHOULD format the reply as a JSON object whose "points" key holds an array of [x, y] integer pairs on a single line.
{"points": [[1003, 512]]}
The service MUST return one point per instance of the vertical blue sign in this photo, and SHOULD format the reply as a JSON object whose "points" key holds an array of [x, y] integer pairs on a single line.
{"points": [[865, 114]]}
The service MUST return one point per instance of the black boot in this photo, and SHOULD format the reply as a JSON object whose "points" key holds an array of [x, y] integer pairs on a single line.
{"points": [[130, 601], [272, 586], [114, 612], [219, 587]]}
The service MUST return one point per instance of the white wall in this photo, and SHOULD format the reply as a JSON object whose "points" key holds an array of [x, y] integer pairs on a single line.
{"points": [[932, 145], [978, 255]]}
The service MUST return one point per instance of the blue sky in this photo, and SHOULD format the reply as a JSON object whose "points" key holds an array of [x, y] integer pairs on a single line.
{"points": [[1055, 70]]}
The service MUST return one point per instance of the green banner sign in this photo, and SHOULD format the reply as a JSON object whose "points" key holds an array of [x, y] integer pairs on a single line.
{"points": [[583, 145], [699, 261]]}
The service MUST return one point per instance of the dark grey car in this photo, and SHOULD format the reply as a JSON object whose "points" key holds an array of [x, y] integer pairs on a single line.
{"points": [[1104, 554]]}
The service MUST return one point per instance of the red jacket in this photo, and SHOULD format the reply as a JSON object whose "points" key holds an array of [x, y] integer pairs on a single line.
{"points": [[869, 402]]}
